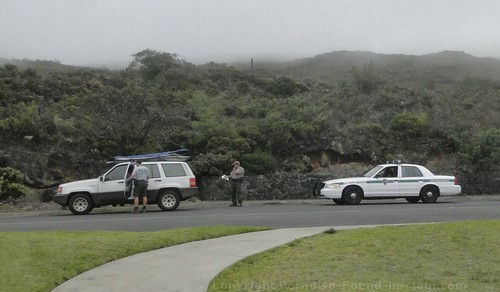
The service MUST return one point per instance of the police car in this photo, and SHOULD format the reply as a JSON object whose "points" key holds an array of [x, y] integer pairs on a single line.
{"points": [[389, 181]]}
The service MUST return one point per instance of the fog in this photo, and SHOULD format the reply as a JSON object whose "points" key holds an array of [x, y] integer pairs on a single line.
{"points": [[108, 32]]}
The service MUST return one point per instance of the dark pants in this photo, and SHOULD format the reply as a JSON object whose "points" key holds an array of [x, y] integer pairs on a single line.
{"points": [[236, 191]]}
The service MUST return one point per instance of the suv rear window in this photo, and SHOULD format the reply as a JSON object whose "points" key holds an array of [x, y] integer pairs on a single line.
{"points": [[173, 170]]}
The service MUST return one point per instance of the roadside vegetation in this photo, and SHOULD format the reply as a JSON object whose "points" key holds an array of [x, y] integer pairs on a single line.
{"points": [[461, 256], [63, 123], [40, 261]]}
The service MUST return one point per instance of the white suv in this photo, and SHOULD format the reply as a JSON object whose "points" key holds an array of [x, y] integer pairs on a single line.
{"points": [[169, 183]]}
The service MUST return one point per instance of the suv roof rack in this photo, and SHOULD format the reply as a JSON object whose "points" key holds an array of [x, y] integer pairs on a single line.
{"points": [[176, 155]]}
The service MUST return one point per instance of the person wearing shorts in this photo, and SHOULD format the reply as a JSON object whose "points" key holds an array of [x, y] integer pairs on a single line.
{"points": [[141, 177]]}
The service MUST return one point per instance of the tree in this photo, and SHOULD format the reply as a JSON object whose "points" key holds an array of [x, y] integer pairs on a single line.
{"points": [[149, 64], [120, 121], [367, 81]]}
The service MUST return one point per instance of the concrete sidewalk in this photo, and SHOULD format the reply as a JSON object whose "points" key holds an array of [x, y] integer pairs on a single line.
{"points": [[187, 267]]}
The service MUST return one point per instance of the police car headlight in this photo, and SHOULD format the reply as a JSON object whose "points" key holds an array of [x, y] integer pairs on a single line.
{"points": [[333, 186]]}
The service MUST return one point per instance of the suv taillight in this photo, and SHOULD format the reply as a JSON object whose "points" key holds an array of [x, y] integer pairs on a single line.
{"points": [[192, 182], [456, 181]]}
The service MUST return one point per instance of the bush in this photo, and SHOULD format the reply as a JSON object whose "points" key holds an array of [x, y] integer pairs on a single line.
{"points": [[211, 164], [285, 87], [411, 124], [11, 183], [479, 152], [258, 163]]}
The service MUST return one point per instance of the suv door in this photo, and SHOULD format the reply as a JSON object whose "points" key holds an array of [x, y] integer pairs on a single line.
{"points": [[155, 181], [111, 188]]}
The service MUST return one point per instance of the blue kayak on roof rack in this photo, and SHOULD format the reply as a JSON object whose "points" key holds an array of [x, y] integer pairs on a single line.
{"points": [[169, 155]]}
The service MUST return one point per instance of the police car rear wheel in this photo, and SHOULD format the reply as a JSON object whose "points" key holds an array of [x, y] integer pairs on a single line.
{"points": [[429, 194]]}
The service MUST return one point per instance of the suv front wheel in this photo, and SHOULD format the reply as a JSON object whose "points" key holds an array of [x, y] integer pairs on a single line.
{"points": [[80, 204], [168, 200]]}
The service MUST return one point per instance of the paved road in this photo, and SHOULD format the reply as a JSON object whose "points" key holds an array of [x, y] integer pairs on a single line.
{"points": [[275, 214]]}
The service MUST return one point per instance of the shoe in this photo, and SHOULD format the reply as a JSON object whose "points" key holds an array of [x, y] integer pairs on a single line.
{"points": [[136, 210], [240, 203], [233, 205], [143, 209]]}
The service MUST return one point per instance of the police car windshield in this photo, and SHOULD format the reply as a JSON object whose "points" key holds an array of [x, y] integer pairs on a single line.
{"points": [[373, 171]]}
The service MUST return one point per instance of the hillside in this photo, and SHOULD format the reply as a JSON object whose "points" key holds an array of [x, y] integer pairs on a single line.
{"points": [[41, 66], [447, 66], [328, 116]]}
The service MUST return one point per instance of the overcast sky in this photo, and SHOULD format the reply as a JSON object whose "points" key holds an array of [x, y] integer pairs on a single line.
{"points": [[89, 32]]}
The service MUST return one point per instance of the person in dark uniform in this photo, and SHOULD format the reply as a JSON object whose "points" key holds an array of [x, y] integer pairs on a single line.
{"points": [[236, 177]]}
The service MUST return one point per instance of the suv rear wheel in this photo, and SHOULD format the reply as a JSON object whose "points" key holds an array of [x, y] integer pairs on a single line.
{"points": [[168, 200], [80, 204]]}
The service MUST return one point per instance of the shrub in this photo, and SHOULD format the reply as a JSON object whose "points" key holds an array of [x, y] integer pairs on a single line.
{"points": [[411, 124], [211, 164], [479, 152], [11, 183], [258, 163]]}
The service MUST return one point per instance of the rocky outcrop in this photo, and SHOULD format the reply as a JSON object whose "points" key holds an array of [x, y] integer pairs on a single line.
{"points": [[294, 186], [44, 173]]}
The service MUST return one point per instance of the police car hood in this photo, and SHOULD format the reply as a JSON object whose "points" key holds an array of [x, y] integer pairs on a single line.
{"points": [[347, 180]]}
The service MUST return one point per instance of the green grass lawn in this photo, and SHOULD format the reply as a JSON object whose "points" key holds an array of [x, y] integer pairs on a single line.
{"points": [[40, 261], [452, 256], [461, 256]]}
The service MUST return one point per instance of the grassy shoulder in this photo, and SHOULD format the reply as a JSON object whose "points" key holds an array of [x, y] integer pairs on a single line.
{"points": [[40, 261], [446, 257]]}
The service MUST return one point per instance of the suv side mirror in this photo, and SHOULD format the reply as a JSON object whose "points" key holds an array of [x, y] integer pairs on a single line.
{"points": [[101, 178]]}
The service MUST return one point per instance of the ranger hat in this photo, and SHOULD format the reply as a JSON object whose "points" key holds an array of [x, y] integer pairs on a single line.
{"points": [[236, 162]]}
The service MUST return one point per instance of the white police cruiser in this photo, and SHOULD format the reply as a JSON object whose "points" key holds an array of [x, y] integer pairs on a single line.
{"points": [[388, 181]]}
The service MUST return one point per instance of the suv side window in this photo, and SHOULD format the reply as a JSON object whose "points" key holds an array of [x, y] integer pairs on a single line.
{"points": [[411, 171], [154, 172], [117, 173], [173, 169]]}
